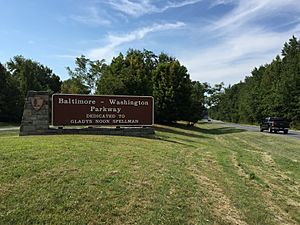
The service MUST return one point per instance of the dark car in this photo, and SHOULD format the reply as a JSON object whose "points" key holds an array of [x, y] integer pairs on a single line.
{"points": [[274, 124]]}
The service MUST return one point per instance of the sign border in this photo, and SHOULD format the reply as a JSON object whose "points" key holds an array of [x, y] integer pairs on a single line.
{"points": [[140, 125]]}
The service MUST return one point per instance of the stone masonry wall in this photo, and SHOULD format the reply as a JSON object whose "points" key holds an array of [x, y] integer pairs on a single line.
{"points": [[35, 118]]}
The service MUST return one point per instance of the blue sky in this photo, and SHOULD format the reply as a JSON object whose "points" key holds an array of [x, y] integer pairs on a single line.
{"points": [[217, 40]]}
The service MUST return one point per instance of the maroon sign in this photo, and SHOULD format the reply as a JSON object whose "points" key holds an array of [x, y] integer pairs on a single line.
{"points": [[101, 110]]}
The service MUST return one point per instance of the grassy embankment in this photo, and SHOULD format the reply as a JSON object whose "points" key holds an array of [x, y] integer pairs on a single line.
{"points": [[203, 175]]}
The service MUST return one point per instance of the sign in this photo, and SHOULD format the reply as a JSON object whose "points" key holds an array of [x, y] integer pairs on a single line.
{"points": [[37, 103], [81, 110]]}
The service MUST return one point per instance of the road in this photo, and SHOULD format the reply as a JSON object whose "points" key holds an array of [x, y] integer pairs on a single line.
{"points": [[9, 128], [292, 133]]}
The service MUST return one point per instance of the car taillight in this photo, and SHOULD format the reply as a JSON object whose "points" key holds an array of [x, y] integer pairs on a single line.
{"points": [[273, 124]]}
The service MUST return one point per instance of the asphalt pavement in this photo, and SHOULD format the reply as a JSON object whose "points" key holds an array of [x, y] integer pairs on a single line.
{"points": [[252, 128], [9, 128]]}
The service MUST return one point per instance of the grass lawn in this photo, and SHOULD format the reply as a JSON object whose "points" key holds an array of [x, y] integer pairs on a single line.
{"points": [[208, 174]]}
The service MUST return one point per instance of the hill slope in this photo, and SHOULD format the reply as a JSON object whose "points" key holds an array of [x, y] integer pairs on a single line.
{"points": [[208, 174]]}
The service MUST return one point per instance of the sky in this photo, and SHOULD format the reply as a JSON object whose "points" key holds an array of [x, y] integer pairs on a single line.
{"points": [[216, 40]]}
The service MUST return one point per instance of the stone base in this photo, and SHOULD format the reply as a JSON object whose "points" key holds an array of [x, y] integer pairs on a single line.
{"points": [[36, 113], [122, 131]]}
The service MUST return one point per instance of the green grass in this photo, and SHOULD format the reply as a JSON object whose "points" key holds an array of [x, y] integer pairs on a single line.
{"points": [[208, 174]]}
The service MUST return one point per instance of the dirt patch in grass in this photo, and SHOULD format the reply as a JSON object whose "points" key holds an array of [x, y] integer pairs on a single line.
{"points": [[222, 210], [281, 185], [277, 183]]}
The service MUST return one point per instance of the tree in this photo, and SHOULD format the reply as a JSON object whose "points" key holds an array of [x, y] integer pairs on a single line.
{"points": [[31, 75], [290, 81], [171, 90], [85, 75], [197, 103], [271, 100], [129, 75], [214, 94], [26, 75], [141, 73], [10, 106], [74, 86], [110, 82]]}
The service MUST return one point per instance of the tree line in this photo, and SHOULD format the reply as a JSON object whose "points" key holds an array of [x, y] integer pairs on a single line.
{"points": [[271, 90], [143, 73], [17, 77]]}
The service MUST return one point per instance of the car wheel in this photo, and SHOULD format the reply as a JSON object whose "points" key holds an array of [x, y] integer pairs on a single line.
{"points": [[261, 130], [286, 131]]}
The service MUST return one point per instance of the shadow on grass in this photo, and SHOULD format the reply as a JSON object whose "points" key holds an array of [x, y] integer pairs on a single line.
{"points": [[182, 141], [179, 132], [190, 132], [215, 131], [197, 131]]}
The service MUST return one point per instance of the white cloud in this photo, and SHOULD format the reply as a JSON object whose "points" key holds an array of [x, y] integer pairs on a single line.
{"points": [[91, 17], [146, 7], [238, 41], [132, 8], [252, 10], [242, 41], [235, 57], [221, 2], [108, 51], [65, 56], [171, 5]]}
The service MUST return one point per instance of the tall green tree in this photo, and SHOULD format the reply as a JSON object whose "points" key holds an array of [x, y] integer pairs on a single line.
{"points": [[171, 90], [271, 99], [32, 75], [197, 101], [10, 96], [26, 75], [129, 75], [74, 86], [110, 82], [290, 82], [85, 74]]}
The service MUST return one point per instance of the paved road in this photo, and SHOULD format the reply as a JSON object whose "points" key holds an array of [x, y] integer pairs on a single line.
{"points": [[292, 133], [9, 128]]}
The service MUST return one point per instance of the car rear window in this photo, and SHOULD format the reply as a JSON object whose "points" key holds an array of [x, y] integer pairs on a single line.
{"points": [[277, 119]]}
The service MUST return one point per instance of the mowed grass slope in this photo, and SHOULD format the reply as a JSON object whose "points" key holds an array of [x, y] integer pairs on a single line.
{"points": [[208, 174]]}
